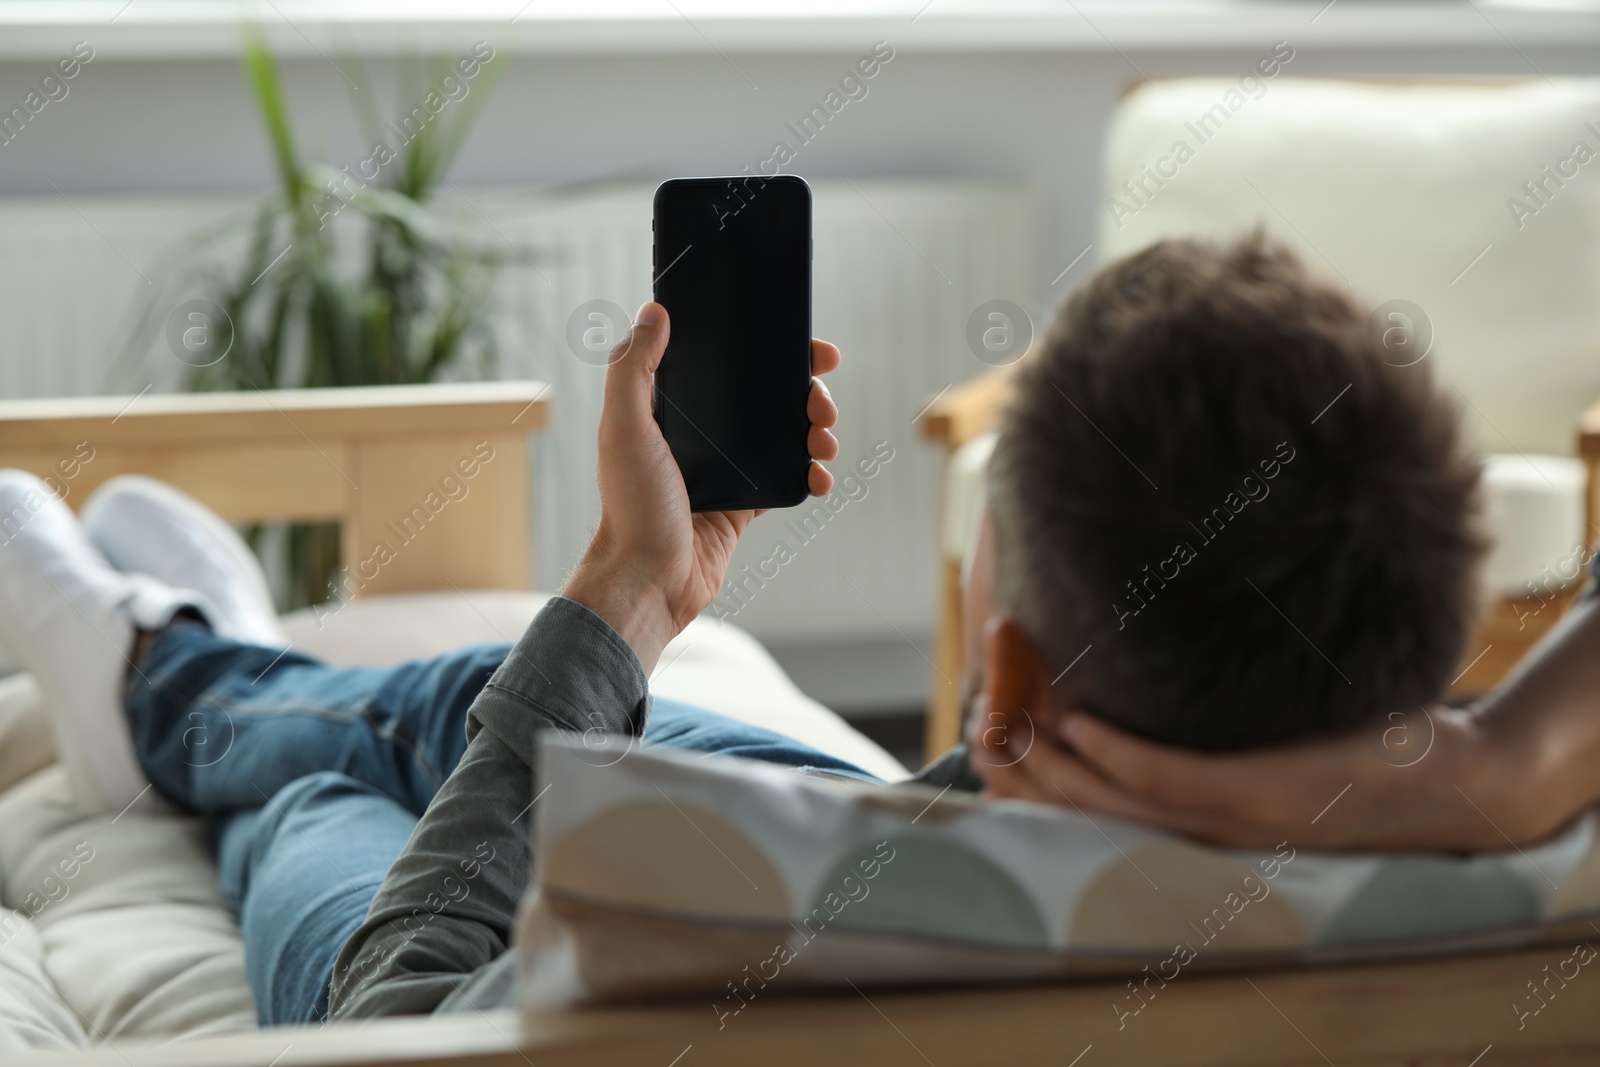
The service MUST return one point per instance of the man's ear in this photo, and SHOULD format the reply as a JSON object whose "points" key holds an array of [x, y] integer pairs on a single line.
{"points": [[1018, 701]]}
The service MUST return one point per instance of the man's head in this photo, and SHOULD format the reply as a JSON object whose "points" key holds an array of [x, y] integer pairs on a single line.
{"points": [[1210, 478]]}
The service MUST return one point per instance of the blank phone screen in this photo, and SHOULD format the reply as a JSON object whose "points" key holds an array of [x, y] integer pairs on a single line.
{"points": [[733, 270]]}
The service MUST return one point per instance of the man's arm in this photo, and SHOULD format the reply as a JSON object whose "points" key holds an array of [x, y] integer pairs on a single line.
{"points": [[1512, 769], [446, 907], [445, 912]]}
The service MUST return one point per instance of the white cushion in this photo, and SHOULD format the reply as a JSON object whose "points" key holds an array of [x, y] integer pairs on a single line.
{"points": [[1399, 189], [713, 665], [1536, 514], [136, 936], [32, 1014], [25, 742], [965, 482]]}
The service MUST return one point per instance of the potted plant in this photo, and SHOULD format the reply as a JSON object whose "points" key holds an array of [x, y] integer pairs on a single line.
{"points": [[340, 277]]}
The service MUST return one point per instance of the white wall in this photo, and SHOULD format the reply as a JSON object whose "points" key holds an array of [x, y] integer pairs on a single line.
{"points": [[190, 124]]}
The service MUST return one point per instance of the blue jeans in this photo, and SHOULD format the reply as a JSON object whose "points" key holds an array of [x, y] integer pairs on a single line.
{"points": [[315, 776]]}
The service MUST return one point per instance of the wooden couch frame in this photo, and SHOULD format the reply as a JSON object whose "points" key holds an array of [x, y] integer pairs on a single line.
{"points": [[319, 454], [366, 458]]}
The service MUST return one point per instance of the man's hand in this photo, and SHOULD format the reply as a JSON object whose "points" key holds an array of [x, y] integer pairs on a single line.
{"points": [[1429, 781], [1516, 768], [654, 565]]}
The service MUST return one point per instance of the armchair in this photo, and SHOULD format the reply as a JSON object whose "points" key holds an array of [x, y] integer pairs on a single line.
{"points": [[1407, 192]]}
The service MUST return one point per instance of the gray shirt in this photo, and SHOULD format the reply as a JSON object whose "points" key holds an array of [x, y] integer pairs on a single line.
{"points": [[437, 934]]}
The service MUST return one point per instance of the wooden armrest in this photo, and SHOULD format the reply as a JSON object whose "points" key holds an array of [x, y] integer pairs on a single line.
{"points": [[1589, 452], [1589, 431], [429, 482], [371, 411], [964, 411], [953, 418]]}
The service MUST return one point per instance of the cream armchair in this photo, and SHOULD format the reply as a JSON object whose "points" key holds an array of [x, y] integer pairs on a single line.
{"points": [[1418, 197]]}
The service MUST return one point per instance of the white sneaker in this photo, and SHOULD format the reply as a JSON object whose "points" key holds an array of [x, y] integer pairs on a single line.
{"points": [[69, 618], [147, 527]]}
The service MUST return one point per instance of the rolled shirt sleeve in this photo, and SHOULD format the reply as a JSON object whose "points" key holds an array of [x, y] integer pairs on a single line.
{"points": [[444, 914]]}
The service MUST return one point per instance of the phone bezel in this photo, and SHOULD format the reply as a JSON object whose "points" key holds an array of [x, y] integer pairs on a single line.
{"points": [[757, 499]]}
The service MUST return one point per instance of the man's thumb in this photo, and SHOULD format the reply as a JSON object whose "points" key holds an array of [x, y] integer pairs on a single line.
{"points": [[641, 350]]}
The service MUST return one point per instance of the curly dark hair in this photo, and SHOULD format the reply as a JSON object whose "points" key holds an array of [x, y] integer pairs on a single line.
{"points": [[1210, 474]]}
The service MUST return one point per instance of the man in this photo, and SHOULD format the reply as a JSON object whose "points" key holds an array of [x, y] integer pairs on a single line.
{"points": [[1511, 769], [385, 811]]}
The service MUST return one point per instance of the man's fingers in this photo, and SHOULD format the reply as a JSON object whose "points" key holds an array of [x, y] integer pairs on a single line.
{"points": [[819, 480], [1215, 795], [822, 444], [1052, 775], [823, 413], [1142, 767], [824, 357], [820, 408]]}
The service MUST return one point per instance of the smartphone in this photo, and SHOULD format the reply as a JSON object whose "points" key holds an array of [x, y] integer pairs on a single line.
{"points": [[732, 266]]}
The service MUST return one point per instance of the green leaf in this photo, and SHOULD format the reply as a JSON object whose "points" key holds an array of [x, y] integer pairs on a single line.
{"points": [[263, 74], [464, 118]]}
